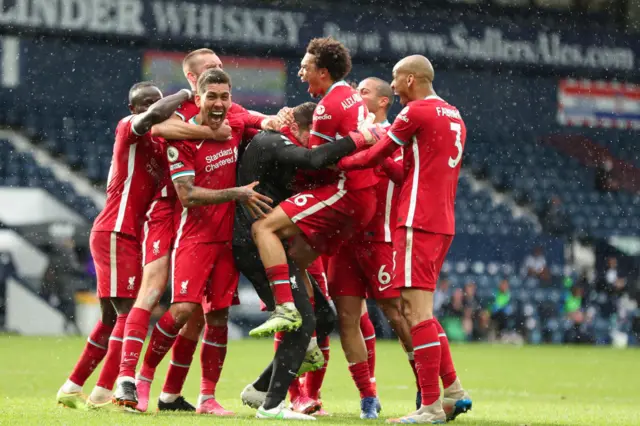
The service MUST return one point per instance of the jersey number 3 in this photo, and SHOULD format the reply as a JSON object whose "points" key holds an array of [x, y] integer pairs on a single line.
{"points": [[457, 129]]}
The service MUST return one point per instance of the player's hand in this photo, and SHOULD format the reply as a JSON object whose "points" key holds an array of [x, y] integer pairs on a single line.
{"points": [[285, 115], [223, 132], [256, 203], [271, 123], [372, 133]]}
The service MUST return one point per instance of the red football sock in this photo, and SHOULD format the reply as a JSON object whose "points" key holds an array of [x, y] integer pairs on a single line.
{"points": [[111, 366], [181, 357], [212, 355], [135, 331], [447, 369], [362, 379], [295, 390], [94, 351], [426, 352], [162, 338], [280, 286], [277, 339], [314, 379], [369, 333], [412, 362]]}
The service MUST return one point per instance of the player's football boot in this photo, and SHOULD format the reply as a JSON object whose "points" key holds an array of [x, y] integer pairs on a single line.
{"points": [[253, 397], [103, 406], [211, 406], [456, 401], [369, 408], [126, 395], [180, 404], [305, 405], [313, 360], [76, 400], [427, 414], [284, 318], [321, 412], [144, 389], [281, 413]]}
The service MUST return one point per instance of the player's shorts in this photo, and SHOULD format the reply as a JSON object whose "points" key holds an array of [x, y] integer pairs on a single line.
{"points": [[325, 261], [328, 217], [363, 269], [317, 271], [158, 230], [117, 258], [419, 258], [204, 273]]}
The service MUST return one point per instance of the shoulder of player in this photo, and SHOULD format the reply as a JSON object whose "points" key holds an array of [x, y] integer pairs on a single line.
{"points": [[126, 120], [237, 109], [268, 139]]}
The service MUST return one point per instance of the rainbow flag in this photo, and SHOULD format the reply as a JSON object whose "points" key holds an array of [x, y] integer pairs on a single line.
{"points": [[256, 82]]}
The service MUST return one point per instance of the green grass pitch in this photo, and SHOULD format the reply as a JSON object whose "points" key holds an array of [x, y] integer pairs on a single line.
{"points": [[509, 385]]}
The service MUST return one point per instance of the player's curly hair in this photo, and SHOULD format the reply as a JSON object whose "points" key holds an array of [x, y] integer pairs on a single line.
{"points": [[332, 55], [212, 76]]}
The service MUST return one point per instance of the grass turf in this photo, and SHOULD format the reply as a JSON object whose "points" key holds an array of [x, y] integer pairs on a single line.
{"points": [[509, 385]]}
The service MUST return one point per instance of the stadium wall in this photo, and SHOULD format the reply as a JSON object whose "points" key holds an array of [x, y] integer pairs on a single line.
{"points": [[92, 81]]}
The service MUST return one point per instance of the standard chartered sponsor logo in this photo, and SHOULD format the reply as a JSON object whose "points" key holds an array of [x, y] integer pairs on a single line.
{"points": [[215, 161], [548, 48]]}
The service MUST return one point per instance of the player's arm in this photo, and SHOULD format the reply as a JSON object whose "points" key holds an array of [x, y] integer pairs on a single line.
{"points": [[400, 134], [393, 170], [159, 112], [181, 166], [319, 157], [176, 129], [191, 195]]}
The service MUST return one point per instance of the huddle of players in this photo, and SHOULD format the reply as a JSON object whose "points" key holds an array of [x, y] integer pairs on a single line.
{"points": [[331, 211]]}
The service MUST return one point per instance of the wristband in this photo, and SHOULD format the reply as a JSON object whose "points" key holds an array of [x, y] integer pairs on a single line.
{"points": [[188, 92]]}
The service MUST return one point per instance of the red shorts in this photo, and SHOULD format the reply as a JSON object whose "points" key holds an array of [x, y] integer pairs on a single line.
{"points": [[317, 271], [328, 216], [419, 258], [204, 273], [363, 269], [117, 258], [325, 261], [158, 230]]}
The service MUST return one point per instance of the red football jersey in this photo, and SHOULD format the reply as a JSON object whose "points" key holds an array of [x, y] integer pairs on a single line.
{"points": [[186, 111], [136, 169], [338, 113], [383, 222], [213, 163], [433, 136]]}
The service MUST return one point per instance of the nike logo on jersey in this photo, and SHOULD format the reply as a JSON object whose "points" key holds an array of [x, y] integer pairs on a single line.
{"points": [[199, 145], [381, 289]]}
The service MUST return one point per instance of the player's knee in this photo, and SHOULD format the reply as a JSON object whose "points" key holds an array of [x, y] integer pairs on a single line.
{"points": [[392, 309], [348, 318], [108, 313], [181, 312], [123, 306], [259, 227], [155, 274], [414, 313], [217, 318]]}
